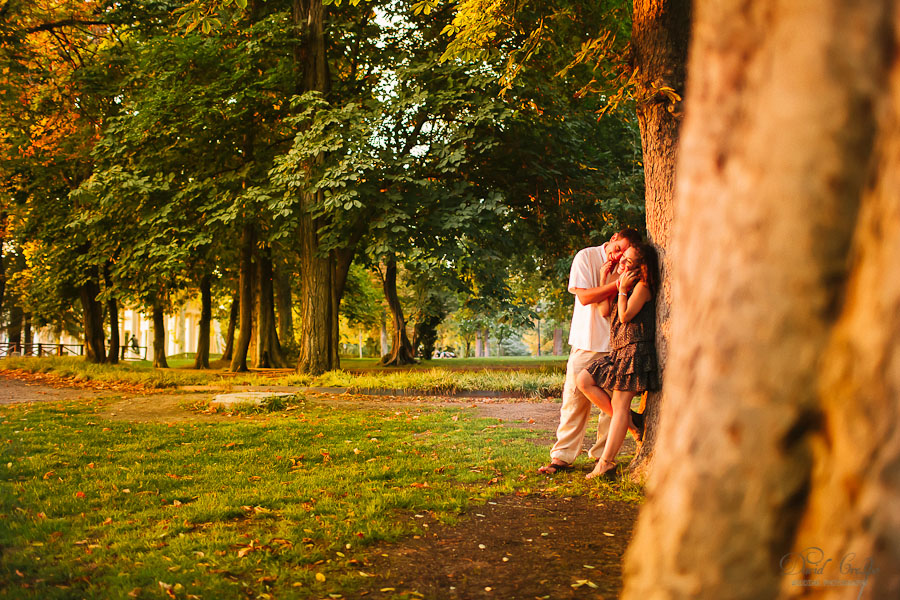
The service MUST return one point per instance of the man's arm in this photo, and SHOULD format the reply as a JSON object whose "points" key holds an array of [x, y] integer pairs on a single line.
{"points": [[596, 294]]}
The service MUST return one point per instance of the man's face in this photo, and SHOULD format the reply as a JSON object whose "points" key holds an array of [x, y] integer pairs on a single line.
{"points": [[616, 247]]}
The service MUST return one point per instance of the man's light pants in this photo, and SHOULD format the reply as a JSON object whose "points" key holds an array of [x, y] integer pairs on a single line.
{"points": [[576, 412]]}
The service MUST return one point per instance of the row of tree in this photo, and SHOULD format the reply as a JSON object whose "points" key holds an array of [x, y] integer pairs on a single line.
{"points": [[252, 152]]}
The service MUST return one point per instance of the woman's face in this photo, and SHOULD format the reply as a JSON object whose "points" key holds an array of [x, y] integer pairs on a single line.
{"points": [[629, 261]]}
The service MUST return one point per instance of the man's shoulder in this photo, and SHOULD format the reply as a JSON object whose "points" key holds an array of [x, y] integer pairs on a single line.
{"points": [[591, 252]]}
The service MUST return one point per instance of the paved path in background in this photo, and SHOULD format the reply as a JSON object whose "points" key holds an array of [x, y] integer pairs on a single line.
{"points": [[13, 390]]}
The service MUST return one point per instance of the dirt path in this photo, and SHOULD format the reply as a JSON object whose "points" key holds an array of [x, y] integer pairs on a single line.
{"points": [[538, 546]]}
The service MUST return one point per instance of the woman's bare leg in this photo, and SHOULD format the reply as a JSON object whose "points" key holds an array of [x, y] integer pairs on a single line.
{"points": [[595, 393], [618, 427]]}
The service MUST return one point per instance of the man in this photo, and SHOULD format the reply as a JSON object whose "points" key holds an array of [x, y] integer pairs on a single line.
{"points": [[589, 339]]}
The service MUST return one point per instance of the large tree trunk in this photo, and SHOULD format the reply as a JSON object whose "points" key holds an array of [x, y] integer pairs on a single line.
{"points": [[248, 243], [201, 360], [159, 338], [557, 341], [318, 341], [3, 218], [401, 350], [659, 38], [778, 438], [94, 350], [28, 334], [268, 350]]}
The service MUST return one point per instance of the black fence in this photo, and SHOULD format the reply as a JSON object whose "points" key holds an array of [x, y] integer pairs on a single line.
{"points": [[19, 349]]}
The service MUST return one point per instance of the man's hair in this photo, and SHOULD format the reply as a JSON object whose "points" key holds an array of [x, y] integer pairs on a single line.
{"points": [[634, 238]]}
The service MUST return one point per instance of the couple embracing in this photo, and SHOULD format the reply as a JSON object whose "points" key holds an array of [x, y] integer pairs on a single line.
{"points": [[613, 354]]}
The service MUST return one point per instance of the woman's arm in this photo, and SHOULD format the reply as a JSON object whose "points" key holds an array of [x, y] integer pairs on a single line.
{"points": [[629, 307]]}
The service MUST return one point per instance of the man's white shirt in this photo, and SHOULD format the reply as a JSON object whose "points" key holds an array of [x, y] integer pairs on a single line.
{"points": [[590, 329]]}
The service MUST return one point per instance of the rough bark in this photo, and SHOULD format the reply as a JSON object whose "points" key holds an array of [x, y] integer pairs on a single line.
{"points": [[248, 243], [778, 438], [159, 338], [268, 349], [401, 350], [659, 38], [228, 352], [201, 360], [318, 341], [92, 313]]}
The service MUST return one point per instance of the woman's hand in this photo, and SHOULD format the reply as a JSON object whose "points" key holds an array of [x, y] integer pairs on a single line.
{"points": [[628, 280]]}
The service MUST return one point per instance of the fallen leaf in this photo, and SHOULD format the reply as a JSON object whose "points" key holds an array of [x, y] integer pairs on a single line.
{"points": [[79, 494], [320, 577]]}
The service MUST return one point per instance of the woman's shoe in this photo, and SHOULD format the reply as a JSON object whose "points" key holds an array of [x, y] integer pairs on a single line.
{"points": [[638, 420]]}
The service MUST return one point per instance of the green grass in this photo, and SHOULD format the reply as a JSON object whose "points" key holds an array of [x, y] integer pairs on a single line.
{"points": [[287, 503], [545, 379]]}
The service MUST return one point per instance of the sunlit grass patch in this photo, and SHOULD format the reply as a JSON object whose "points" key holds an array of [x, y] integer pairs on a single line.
{"points": [[222, 509]]}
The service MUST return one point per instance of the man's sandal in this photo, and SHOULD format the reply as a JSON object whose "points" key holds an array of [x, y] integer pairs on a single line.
{"points": [[554, 468]]}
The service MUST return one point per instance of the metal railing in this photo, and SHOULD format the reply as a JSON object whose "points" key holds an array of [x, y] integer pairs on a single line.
{"points": [[42, 349]]}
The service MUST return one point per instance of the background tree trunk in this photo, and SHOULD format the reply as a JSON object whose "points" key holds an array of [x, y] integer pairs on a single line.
{"points": [[28, 333], [14, 329], [248, 243], [401, 350], [659, 38], [94, 350], [228, 352], [268, 350], [557, 341], [159, 338], [201, 361], [112, 307], [779, 429], [284, 304]]}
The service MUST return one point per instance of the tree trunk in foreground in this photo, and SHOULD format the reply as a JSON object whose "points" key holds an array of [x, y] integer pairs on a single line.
{"points": [[659, 38], [778, 447], [248, 243], [201, 360], [159, 338], [401, 350]]}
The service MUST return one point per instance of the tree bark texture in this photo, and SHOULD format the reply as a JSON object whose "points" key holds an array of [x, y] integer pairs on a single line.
{"points": [[159, 338], [92, 313], [401, 350], [201, 360], [778, 438], [659, 38], [318, 341], [14, 328], [248, 245], [268, 350], [228, 352]]}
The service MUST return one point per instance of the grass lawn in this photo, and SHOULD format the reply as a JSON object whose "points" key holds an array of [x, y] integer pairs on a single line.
{"points": [[544, 380], [280, 504]]}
